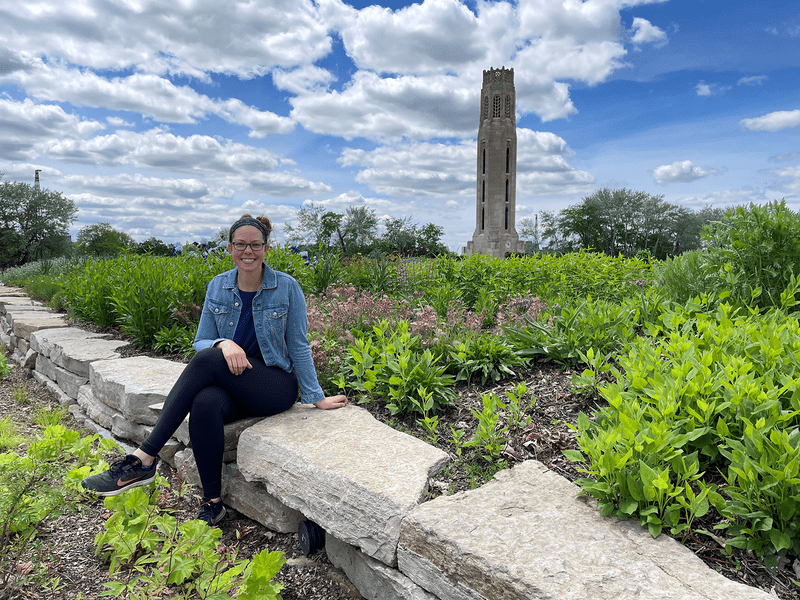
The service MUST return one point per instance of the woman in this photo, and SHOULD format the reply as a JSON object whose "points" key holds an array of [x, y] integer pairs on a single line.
{"points": [[253, 354]]}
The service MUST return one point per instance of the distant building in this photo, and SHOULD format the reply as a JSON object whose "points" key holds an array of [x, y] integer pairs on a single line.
{"points": [[496, 190]]}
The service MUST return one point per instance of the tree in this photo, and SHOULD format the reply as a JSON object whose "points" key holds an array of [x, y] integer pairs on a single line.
{"points": [[102, 239], [153, 247], [624, 222], [405, 238], [353, 231], [358, 229], [312, 228], [34, 222]]}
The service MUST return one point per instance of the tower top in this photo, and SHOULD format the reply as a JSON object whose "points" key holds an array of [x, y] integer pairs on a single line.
{"points": [[498, 75]]}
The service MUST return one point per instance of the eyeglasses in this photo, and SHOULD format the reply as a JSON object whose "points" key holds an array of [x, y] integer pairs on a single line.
{"points": [[254, 246]]}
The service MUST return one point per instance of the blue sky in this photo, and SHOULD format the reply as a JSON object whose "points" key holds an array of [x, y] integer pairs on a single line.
{"points": [[171, 119]]}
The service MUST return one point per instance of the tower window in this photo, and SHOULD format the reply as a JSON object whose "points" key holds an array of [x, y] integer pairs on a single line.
{"points": [[483, 191], [508, 159], [506, 217], [483, 158], [508, 107], [496, 107], [482, 218], [486, 107], [506, 191]]}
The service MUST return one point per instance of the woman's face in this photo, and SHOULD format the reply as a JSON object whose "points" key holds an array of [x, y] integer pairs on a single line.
{"points": [[247, 260]]}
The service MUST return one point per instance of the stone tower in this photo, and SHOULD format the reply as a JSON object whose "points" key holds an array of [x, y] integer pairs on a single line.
{"points": [[496, 190]]}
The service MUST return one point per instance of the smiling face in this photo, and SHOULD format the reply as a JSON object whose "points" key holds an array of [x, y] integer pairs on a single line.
{"points": [[247, 260]]}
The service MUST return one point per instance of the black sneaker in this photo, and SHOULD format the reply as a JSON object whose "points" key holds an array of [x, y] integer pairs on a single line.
{"points": [[123, 475], [211, 512]]}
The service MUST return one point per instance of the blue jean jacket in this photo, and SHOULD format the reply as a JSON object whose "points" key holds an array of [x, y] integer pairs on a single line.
{"points": [[280, 319]]}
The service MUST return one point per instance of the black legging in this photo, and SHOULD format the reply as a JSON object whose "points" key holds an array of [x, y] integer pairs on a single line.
{"points": [[213, 397]]}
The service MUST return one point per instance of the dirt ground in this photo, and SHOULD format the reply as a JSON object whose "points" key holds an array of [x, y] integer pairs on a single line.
{"points": [[68, 541]]}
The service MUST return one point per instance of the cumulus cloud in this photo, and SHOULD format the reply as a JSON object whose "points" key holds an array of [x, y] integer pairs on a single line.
{"points": [[242, 38], [27, 125], [682, 171], [150, 95], [774, 121], [644, 32], [710, 89], [785, 157]]}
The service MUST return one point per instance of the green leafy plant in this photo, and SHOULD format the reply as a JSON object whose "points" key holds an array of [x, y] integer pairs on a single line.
{"points": [[45, 416], [4, 368], [599, 325], [149, 553], [485, 356], [9, 437], [175, 339], [490, 438], [37, 486]]}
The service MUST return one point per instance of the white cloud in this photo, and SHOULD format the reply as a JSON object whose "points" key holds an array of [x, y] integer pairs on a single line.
{"points": [[703, 89], [117, 122], [26, 125], [752, 80], [682, 171], [644, 32], [448, 170], [710, 89], [774, 121], [150, 95], [242, 38]]}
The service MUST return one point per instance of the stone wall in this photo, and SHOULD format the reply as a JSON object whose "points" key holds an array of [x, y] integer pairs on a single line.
{"points": [[526, 534]]}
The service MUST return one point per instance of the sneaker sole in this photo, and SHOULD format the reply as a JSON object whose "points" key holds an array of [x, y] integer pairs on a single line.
{"points": [[127, 487], [220, 516]]}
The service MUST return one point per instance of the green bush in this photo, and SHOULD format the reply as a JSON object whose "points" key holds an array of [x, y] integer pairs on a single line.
{"points": [[761, 247]]}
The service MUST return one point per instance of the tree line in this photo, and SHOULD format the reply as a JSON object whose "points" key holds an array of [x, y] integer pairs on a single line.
{"points": [[620, 221], [34, 225]]}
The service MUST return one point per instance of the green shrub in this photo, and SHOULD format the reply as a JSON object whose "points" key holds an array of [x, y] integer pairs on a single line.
{"points": [[761, 244]]}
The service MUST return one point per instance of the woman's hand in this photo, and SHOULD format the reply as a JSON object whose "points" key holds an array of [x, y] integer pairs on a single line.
{"points": [[332, 402], [234, 356]]}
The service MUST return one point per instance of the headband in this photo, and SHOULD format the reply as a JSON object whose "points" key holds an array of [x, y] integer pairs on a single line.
{"points": [[248, 221]]}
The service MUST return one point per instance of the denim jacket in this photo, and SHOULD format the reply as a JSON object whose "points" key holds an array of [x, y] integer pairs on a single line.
{"points": [[280, 319]]}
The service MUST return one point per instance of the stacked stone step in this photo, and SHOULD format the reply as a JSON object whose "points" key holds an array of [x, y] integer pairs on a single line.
{"points": [[526, 534]]}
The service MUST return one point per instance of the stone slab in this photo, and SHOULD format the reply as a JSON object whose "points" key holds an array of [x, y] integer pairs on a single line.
{"points": [[69, 382], [132, 385], [51, 385], [526, 535], [74, 349], [96, 410], [354, 476], [253, 500], [24, 326], [373, 579]]}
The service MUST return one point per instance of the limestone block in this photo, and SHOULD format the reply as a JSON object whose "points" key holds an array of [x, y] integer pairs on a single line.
{"points": [[125, 430], [70, 383], [23, 346], [5, 339], [18, 357], [78, 414], [74, 349], [96, 410], [45, 366], [373, 579], [186, 467], [170, 449], [354, 476], [525, 534], [252, 500], [30, 360], [24, 326], [131, 385], [182, 433], [52, 386]]}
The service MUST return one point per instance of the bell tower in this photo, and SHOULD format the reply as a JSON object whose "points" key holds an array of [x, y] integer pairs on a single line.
{"points": [[496, 190]]}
